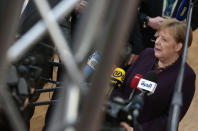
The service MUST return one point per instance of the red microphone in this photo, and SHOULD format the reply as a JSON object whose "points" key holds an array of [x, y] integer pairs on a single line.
{"points": [[134, 84]]}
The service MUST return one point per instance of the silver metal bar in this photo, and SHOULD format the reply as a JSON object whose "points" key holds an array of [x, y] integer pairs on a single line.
{"points": [[114, 38], [65, 115], [69, 106], [8, 27], [111, 38], [73, 103], [66, 112], [177, 101], [60, 42], [89, 28], [30, 38]]}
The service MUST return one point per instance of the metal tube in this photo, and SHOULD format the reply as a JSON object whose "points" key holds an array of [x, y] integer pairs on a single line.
{"points": [[70, 104], [8, 26], [30, 38], [47, 89], [60, 42], [88, 30], [66, 111], [113, 38], [177, 96]]}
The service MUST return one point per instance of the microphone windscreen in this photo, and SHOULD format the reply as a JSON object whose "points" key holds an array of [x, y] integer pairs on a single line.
{"points": [[135, 81], [151, 76], [117, 77], [91, 65], [182, 10]]}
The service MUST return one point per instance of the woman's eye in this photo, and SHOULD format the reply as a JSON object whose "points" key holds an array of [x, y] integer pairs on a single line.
{"points": [[164, 39]]}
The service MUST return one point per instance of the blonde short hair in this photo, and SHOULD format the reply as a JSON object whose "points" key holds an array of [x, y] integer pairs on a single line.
{"points": [[178, 30]]}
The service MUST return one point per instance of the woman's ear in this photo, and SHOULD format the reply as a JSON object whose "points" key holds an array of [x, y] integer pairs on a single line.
{"points": [[178, 47]]}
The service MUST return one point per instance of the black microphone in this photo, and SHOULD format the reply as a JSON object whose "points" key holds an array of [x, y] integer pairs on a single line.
{"points": [[41, 103], [148, 84], [46, 90]]}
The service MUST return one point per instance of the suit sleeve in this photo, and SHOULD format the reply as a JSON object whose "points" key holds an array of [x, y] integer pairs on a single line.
{"points": [[135, 38], [194, 22]]}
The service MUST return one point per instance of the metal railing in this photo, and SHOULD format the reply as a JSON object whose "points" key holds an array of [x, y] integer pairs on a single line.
{"points": [[104, 26]]}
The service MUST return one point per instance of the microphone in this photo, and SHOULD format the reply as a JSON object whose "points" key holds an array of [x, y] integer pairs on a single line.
{"points": [[38, 91], [91, 65], [117, 78], [134, 84], [183, 10], [148, 83], [41, 103]]}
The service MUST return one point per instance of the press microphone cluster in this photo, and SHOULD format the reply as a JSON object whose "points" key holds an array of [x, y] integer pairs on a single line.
{"points": [[147, 86], [119, 110]]}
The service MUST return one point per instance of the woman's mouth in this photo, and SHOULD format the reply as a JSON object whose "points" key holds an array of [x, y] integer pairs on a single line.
{"points": [[157, 49]]}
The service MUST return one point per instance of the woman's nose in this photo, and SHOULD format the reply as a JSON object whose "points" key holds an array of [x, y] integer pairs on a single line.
{"points": [[157, 41]]}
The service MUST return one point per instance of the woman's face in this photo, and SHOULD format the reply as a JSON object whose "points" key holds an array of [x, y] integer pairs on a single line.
{"points": [[165, 45]]}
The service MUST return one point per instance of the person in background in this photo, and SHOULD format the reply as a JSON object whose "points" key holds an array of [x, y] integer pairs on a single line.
{"points": [[165, 60], [151, 14], [42, 52], [70, 31]]}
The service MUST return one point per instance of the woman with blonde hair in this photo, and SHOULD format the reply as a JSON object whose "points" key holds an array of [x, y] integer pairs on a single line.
{"points": [[165, 60]]}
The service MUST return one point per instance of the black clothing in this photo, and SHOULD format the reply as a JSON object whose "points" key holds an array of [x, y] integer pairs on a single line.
{"points": [[135, 38], [154, 115], [153, 9], [42, 51]]}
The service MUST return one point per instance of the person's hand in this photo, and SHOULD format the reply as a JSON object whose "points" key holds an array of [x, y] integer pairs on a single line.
{"points": [[132, 59], [114, 67], [126, 126], [79, 8], [155, 22]]}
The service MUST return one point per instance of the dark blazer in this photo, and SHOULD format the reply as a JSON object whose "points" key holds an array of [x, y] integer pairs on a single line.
{"points": [[156, 106], [153, 8]]}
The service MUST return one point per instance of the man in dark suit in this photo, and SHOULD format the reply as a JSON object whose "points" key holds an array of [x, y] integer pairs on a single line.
{"points": [[151, 14]]}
